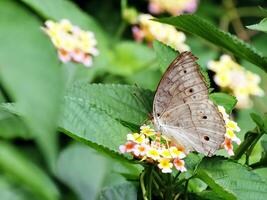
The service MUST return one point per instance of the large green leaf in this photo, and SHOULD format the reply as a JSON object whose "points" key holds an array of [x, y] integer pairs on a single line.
{"points": [[165, 55], [130, 57], [118, 189], [223, 99], [98, 114], [12, 191], [195, 25], [92, 126], [65, 9], [91, 175], [31, 73], [231, 180], [126, 103], [14, 164], [83, 170], [11, 126]]}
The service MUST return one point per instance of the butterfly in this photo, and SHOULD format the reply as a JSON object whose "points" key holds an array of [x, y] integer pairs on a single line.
{"points": [[182, 110]]}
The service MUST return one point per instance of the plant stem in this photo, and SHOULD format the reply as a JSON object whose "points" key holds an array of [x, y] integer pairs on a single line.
{"points": [[186, 189], [176, 176], [149, 182], [251, 136], [251, 12], [237, 24], [159, 180], [143, 188], [158, 188], [176, 196], [250, 149]]}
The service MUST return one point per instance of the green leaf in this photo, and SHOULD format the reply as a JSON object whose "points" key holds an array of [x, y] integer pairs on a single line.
{"points": [[165, 55], [11, 191], [95, 178], [62, 9], [83, 170], [265, 122], [31, 73], [147, 78], [95, 114], [192, 161], [231, 180], [65, 9], [208, 195], [26, 173], [195, 25], [262, 26], [258, 120], [11, 126], [92, 126], [121, 191], [206, 77], [122, 102], [130, 57], [223, 99]]}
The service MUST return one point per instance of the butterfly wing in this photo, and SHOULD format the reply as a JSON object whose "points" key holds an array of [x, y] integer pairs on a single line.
{"points": [[183, 111]]}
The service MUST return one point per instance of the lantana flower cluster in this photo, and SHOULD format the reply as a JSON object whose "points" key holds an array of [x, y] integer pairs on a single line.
{"points": [[72, 43], [231, 128], [174, 7], [241, 82], [149, 30], [150, 146]]}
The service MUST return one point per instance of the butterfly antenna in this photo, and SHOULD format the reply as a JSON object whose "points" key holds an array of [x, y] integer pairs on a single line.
{"points": [[137, 94]]}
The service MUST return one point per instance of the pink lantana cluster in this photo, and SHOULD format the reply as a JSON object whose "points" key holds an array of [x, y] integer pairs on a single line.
{"points": [[174, 7], [72, 43], [231, 128], [150, 146], [148, 30]]}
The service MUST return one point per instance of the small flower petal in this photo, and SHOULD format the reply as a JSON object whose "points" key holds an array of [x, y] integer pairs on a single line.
{"points": [[179, 165], [165, 165], [153, 153], [228, 146], [175, 153]]}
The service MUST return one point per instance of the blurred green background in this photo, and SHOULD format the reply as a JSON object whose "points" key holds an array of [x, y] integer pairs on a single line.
{"points": [[38, 161]]}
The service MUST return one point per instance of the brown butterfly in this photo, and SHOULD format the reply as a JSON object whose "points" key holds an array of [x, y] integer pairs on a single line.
{"points": [[182, 110]]}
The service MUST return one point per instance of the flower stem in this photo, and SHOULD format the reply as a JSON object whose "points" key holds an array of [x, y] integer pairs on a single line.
{"points": [[186, 189], [149, 177], [176, 176], [142, 183], [251, 137], [159, 180], [253, 144], [158, 188]]}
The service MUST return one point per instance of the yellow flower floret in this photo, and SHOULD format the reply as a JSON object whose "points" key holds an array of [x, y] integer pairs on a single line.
{"points": [[146, 130], [232, 125], [231, 135], [136, 137], [175, 153], [153, 153], [179, 164], [165, 153], [156, 150], [165, 165]]}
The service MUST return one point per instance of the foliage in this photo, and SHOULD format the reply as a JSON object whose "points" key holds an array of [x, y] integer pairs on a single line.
{"points": [[61, 124]]}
